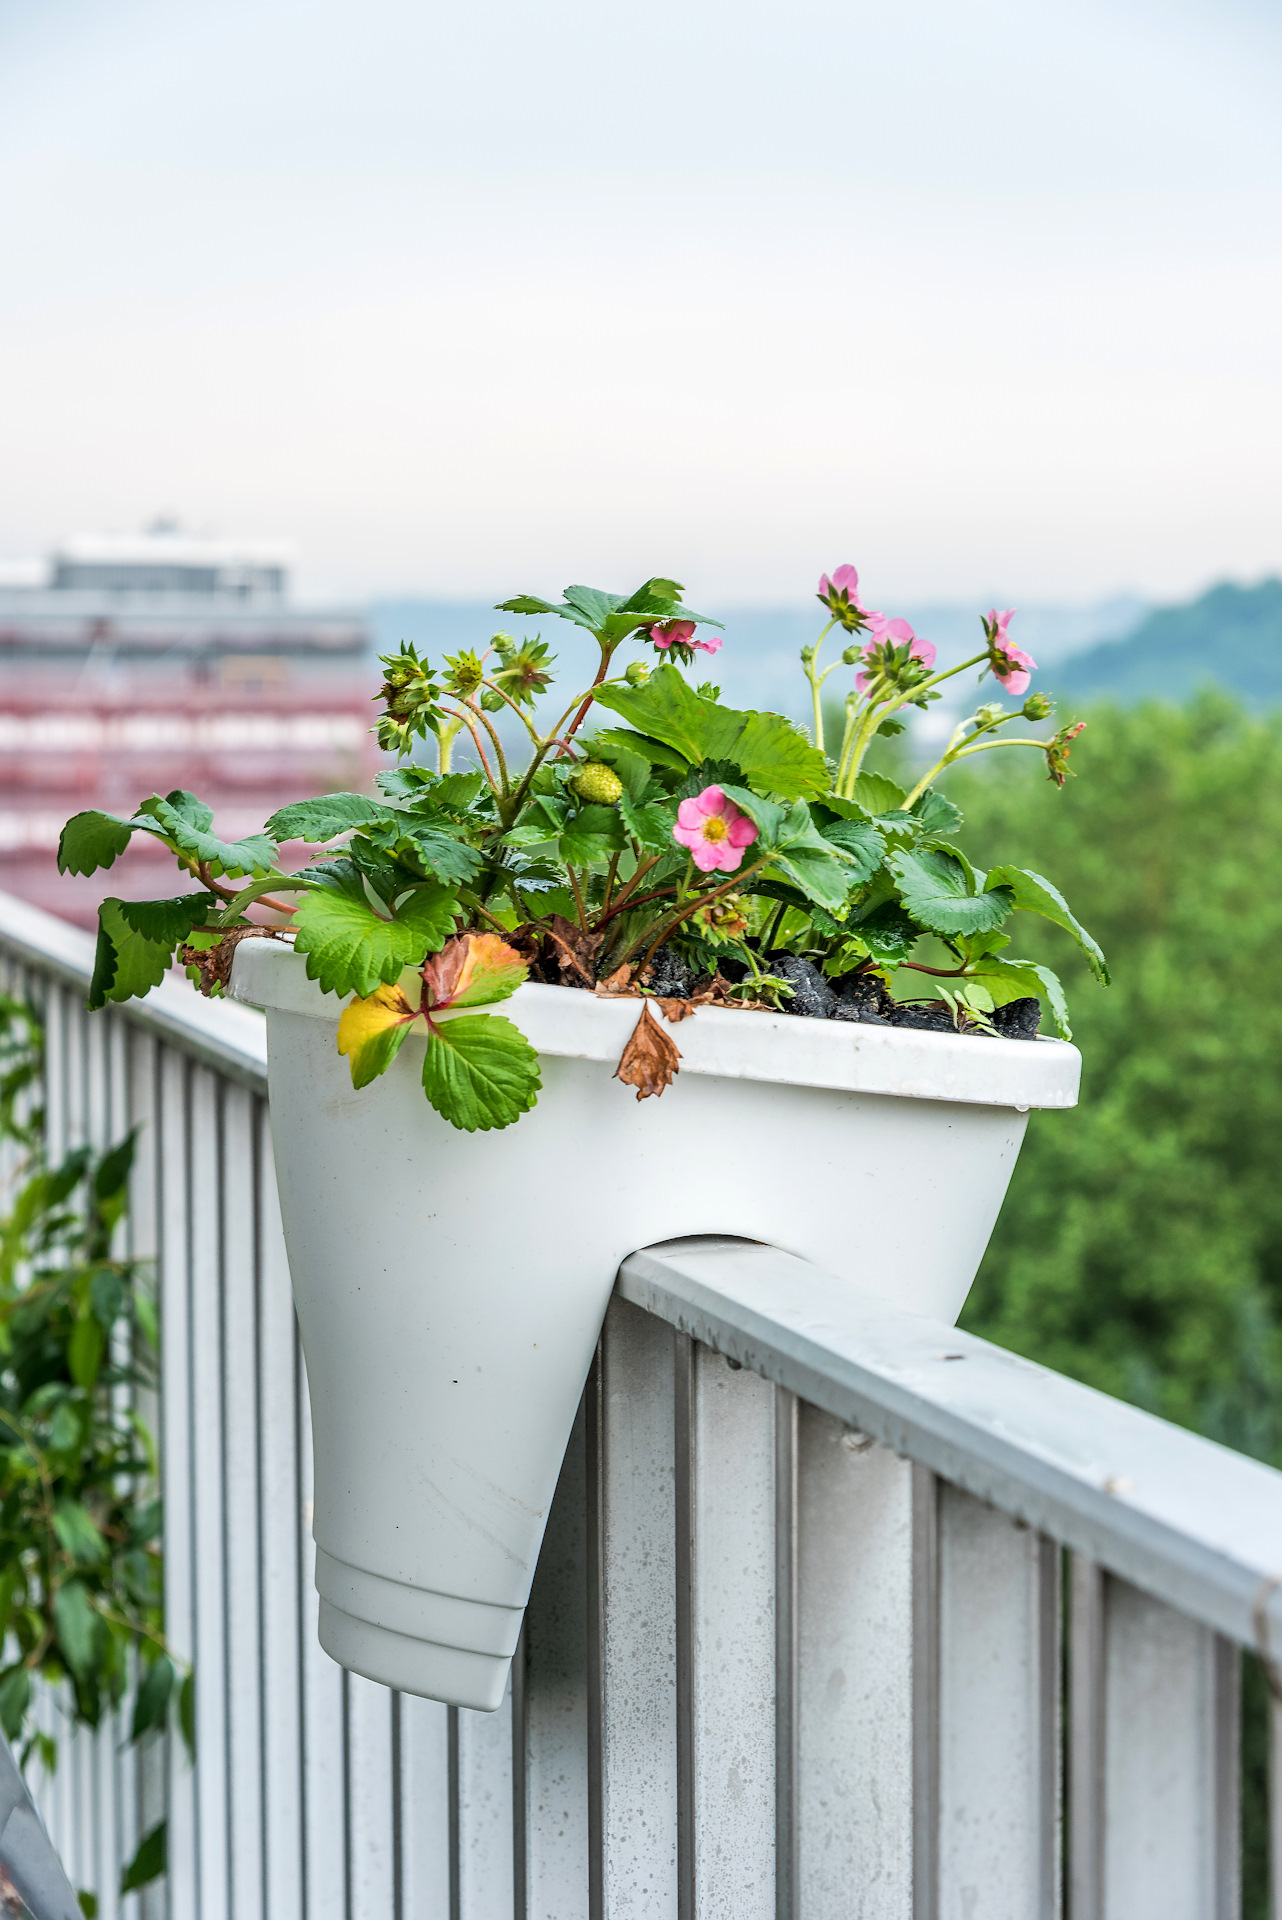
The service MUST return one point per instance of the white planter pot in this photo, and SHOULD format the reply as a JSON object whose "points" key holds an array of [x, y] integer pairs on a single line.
{"points": [[450, 1286]]}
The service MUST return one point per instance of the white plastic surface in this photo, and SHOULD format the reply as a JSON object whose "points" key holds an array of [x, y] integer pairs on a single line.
{"points": [[450, 1286]]}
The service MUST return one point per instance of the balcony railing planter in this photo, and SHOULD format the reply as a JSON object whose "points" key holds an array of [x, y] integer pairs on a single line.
{"points": [[696, 861], [451, 1288]]}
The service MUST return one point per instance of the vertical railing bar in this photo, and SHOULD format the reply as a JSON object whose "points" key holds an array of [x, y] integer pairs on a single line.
{"points": [[1049, 1722], [683, 1428], [398, 1828], [1275, 1802], [1228, 1760], [1086, 1741], [220, 1267], [189, 1071], [158, 1111], [787, 1729], [264, 1705], [594, 1443], [301, 1606], [347, 1794], [452, 1766], [926, 1692], [520, 1790]]}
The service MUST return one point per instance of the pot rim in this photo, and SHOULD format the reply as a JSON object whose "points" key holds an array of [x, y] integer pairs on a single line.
{"points": [[731, 1043]]}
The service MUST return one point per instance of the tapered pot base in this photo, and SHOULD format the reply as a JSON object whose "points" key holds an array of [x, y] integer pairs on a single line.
{"points": [[454, 1675]]}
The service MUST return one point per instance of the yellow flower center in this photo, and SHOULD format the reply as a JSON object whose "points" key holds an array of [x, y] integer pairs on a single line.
{"points": [[714, 827]]}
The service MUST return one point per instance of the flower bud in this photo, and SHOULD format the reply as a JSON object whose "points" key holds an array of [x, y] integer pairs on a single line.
{"points": [[636, 673], [1038, 706], [992, 711]]}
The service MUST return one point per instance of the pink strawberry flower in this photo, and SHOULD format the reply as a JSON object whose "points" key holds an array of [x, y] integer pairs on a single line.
{"points": [[887, 635], [715, 830], [1009, 662], [682, 632], [840, 594]]}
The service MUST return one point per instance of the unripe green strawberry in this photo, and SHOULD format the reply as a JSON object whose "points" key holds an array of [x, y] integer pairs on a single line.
{"points": [[598, 783]]}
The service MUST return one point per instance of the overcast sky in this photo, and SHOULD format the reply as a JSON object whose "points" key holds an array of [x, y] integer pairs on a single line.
{"points": [[984, 297]]}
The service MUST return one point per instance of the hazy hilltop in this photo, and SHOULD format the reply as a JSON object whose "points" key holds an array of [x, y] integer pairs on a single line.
{"points": [[1231, 638]]}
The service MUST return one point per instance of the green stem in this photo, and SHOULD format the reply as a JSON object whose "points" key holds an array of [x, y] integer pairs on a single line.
{"points": [[772, 932], [610, 873], [578, 898], [816, 683], [964, 753], [878, 710], [444, 742], [257, 890], [492, 730], [699, 900]]}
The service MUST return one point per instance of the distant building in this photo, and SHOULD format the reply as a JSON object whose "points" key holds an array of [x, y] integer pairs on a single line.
{"points": [[134, 665]]}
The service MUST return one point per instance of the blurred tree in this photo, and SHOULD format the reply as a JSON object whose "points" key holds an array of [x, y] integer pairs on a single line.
{"points": [[1140, 1248]]}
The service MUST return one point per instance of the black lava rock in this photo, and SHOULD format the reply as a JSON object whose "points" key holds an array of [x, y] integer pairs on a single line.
{"points": [[862, 997], [812, 996], [1018, 1019], [855, 1010], [671, 977], [922, 1015]]}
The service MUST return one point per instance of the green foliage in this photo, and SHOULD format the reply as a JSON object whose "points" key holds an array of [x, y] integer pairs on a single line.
{"points": [[575, 856], [1141, 1246], [768, 751], [126, 962], [80, 1558], [350, 948], [480, 1072], [90, 841]]}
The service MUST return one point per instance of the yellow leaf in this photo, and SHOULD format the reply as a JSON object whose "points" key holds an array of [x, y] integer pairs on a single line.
{"points": [[371, 1030]]}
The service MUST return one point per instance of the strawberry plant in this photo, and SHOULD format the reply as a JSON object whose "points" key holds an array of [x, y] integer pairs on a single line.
{"points": [[648, 827]]}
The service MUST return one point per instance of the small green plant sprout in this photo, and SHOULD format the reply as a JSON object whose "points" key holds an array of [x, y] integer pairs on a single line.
{"points": [[594, 841]]}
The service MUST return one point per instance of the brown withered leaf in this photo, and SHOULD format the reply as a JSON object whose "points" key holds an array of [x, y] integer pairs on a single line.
{"points": [[675, 1010], [214, 963], [650, 1060], [617, 983], [573, 950]]}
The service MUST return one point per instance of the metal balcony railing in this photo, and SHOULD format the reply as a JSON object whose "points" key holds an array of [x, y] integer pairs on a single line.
{"points": [[841, 1614]]}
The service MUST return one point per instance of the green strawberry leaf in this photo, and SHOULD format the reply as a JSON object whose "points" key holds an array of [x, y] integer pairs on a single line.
{"points": [[168, 921], [1009, 980], [593, 833], [939, 891], [862, 841], [428, 850], [614, 742], [649, 825], [126, 964], [319, 820], [768, 750], [936, 815], [184, 823], [92, 840], [480, 1072], [417, 788], [876, 793], [1032, 894], [351, 949]]}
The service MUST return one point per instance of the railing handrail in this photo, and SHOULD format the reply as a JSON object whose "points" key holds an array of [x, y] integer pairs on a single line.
{"points": [[1193, 1523], [228, 1037]]}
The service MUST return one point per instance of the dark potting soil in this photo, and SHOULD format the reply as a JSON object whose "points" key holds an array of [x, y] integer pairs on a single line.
{"points": [[856, 997]]}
